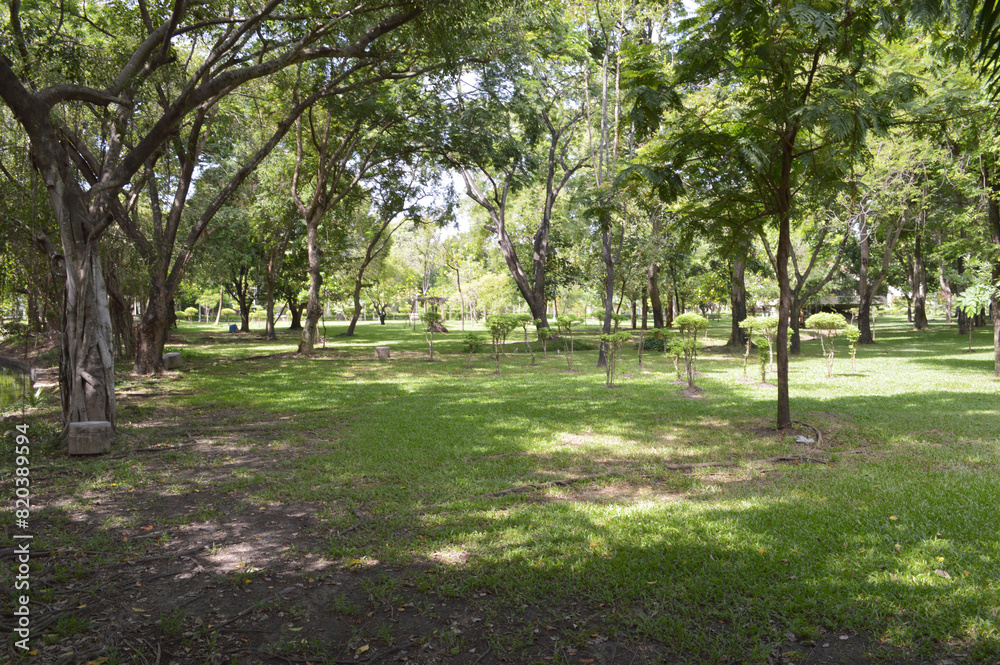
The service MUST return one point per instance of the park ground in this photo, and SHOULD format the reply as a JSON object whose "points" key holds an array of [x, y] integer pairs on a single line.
{"points": [[261, 507]]}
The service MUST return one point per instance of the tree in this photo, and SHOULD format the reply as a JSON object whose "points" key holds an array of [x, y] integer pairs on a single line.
{"points": [[688, 326], [433, 320], [154, 88], [828, 325], [795, 74], [566, 324], [514, 138]]}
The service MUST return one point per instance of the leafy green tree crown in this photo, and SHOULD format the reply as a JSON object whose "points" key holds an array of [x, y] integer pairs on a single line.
{"points": [[828, 321]]}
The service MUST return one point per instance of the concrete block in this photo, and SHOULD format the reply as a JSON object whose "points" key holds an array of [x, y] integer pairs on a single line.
{"points": [[172, 360], [91, 437], [381, 351]]}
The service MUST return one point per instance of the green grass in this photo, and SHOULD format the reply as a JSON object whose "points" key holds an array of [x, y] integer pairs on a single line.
{"points": [[717, 563]]}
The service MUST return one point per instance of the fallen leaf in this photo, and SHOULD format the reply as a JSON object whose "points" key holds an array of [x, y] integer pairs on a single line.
{"points": [[940, 558], [893, 517], [942, 573], [361, 650], [148, 527], [845, 637]]}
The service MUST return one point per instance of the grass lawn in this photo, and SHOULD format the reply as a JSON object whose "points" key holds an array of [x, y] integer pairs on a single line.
{"points": [[339, 507]]}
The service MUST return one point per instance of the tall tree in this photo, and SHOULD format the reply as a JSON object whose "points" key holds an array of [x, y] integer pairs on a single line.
{"points": [[802, 87], [157, 80]]}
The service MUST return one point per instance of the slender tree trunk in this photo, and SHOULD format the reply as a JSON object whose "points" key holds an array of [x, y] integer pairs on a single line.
{"points": [[946, 291], [269, 325], [993, 213], [218, 315], [356, 296], [738, 302], [313, 310], [784, 210], [645, 308], [653, 284], [865, 292], [919, 286]]}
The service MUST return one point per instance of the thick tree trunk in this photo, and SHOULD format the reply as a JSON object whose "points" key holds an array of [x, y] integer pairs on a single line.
{"points": [[795, 320], [154, 327], [295, 308], [653, 284], [919, 282], [738, 302], [86, 364], [122, 325], [313, 310]]}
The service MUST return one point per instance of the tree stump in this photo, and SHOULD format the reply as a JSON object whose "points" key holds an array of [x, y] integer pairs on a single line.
{"points": [[91, 437], [382, 352]]}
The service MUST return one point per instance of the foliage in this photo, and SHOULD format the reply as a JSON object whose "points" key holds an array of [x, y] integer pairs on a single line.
{"points": [[973, 300], [761, 330], [544, 333], [565, 324], [500, 326], [852, 334], [828, 325], [614, 342], [432, 319], [473, 342], [688, 326]]}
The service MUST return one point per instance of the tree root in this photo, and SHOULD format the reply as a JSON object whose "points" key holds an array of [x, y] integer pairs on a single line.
{"points": [[819, 435]]}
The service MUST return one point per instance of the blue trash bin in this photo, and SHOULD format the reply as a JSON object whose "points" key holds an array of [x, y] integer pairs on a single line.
{"points": [[232, 327]]}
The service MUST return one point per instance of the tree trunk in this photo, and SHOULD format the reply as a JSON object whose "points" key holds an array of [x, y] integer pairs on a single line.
{"points": [[653, 284], [795, 321], [865, 292], [122, 325], [313, 310], [356, 296], [645, 308], [154, 327], [218, 315], [295, 308], [86, 364], [919, 282], [269, 324], [784, 212], [738, 301], [609, 292]]}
